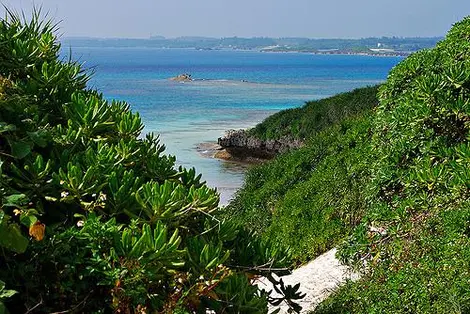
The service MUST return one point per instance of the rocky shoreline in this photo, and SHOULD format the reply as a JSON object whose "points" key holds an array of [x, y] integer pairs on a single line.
{"points": [[240, 145], [214, 150]]}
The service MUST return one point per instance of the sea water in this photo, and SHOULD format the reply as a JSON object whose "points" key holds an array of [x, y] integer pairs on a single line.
{"points": [[231, 90]]}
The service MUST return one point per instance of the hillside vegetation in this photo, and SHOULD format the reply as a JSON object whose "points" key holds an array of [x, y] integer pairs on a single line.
{"points": [[309, 199], [95, 218], [304, 122], [391, 185], [415, 234]]}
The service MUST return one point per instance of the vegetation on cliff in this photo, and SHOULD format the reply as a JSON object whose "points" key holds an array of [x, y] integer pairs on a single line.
{"points": [[292, 128], [96, 219], [304, 122], [304, 198], [391, 185]]}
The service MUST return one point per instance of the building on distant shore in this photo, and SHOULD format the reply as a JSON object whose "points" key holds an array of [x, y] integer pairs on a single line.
{"points": [[381, 50]]}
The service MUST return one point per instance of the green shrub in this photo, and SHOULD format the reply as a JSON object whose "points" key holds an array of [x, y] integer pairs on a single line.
{"points": [[393, 185], [309, 199], [95, 218], [418, 193]]}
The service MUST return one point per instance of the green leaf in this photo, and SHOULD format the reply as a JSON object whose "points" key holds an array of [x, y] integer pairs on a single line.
{"points": [[4, 294], [39, 137], [7, 294], [3, 309], [6, 127], [20, 149], [15, 200], [28, 220], [11, 237]]}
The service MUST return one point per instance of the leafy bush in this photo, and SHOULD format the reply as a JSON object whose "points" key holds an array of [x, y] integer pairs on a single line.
{"points": [[309, 199], [394, 185], [418, 197], [94, 218]]}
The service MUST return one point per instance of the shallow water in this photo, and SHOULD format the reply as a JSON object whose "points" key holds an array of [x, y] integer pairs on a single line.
{"points": [[231, 90]]}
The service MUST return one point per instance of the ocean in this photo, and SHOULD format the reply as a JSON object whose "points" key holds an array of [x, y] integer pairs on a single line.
{"points": [[231, 90]]}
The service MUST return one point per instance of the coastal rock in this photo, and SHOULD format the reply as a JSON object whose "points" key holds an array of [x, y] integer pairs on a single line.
{"points": [[185, 77], [240, 144], [223, 154]]}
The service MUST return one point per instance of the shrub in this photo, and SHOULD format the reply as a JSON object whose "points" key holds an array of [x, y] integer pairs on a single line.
{"points": [[418, 195], [309, 199], [391, 187], [95, 218]]}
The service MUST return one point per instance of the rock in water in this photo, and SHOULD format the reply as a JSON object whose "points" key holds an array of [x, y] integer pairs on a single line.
{"points": [[185, 77], [242, 145]]}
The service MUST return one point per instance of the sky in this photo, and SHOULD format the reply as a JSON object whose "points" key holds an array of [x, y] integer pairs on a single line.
{"points": [[250, 18]]}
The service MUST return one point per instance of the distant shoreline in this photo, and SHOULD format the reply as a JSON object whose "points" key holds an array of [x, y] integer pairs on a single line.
{"points": [[373, 46], [342, 53], [345, 53]]}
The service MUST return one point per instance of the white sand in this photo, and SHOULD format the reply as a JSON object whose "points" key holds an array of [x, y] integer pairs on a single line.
{"points": [[318, 279]]}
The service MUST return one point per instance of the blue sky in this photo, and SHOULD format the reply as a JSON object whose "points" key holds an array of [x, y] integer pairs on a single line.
{"points": [[249, 18]]}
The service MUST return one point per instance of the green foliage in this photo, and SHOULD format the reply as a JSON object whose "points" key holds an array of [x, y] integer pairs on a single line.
{"points": [[427, 273], [10, 232], [393, 185], [10, 235], [303, 123], [96, 218], [99, 256], [418, 194], [310, 198], [4, 294]]}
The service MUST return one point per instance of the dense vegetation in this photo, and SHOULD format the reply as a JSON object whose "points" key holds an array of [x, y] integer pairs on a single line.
{"points": [[310, 198], [394, 181], [95, 218], [418, 196], [304, 122]]}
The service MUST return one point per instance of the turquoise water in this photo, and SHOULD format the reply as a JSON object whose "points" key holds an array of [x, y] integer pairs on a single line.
{"points": [[232, 90]]}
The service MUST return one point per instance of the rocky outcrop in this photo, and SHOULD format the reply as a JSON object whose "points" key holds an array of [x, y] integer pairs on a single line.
{"points": [[185, 77], [241, 145]]}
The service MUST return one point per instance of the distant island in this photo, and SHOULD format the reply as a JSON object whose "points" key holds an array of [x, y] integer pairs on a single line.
{"points": [[388, 46]]}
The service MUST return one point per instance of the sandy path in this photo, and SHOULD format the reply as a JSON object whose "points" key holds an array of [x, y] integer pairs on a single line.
{"points": [[318, 279]]}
